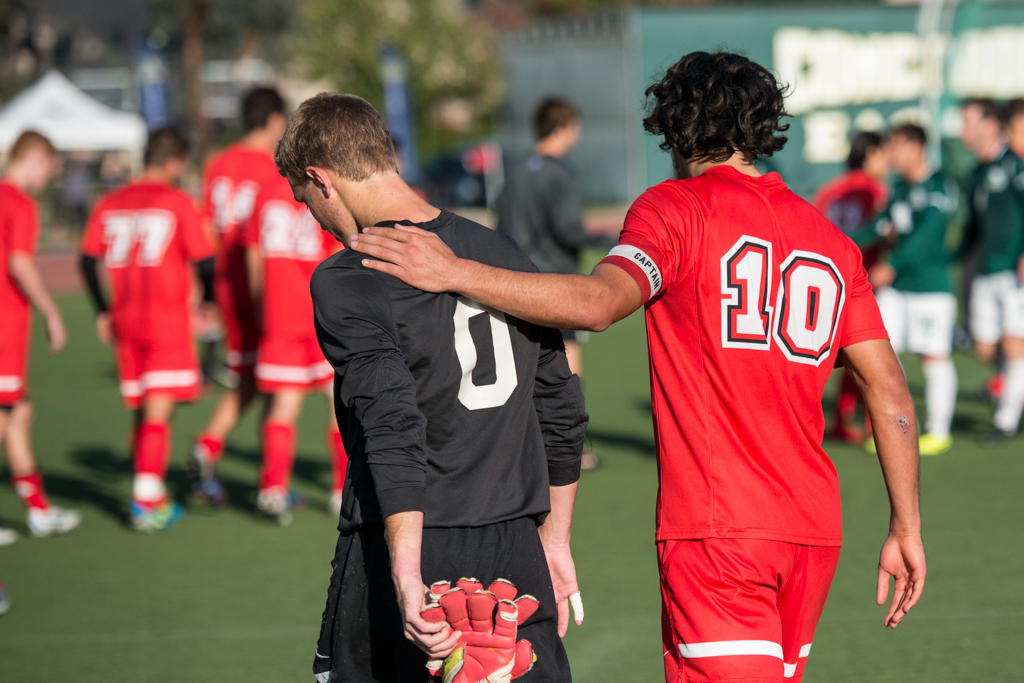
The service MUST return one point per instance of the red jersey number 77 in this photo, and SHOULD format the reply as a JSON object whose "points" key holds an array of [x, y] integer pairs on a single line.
{"points": [[808, 303]]}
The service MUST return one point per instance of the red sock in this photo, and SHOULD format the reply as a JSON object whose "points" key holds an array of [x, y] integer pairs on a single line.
{"points": [[151, 448], [214, 447], [339, 458], [30, 488], [278, 454]]}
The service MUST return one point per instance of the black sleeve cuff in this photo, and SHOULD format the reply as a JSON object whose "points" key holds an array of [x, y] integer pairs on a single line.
{"points": [[563, 473], [403, 499]]}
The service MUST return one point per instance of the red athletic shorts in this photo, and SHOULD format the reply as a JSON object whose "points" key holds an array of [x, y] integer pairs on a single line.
{"points": [[741, 609], [239, 321], [284, 363], [150, 367], [14, 347]]}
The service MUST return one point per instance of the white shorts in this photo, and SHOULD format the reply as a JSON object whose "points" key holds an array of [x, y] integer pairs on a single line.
{"points": [[916, 322], [997, 307]]}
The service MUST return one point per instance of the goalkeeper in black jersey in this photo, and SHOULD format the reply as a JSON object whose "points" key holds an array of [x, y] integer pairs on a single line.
{"points": [[996, 225], [912, 281], [464, 429]]}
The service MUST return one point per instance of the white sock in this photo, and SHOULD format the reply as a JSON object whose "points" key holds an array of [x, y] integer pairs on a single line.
{"points": [[940, 395], [1012, 403], [148, 488]]}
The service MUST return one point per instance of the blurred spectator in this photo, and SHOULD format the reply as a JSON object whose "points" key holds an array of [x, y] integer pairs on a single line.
{"points": [[541, 208], [996, 226], [851, 200], [1015, 125]]}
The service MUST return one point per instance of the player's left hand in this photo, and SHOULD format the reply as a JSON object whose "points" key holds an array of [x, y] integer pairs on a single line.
{"points": [[903, 559], [563, 580], [416, 257]]}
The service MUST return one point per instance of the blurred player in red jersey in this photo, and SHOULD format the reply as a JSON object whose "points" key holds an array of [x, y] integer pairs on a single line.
{"points": [[231, 184], [147, 234], [32, 162], [284, 245], [850, 201], [751, 298]]}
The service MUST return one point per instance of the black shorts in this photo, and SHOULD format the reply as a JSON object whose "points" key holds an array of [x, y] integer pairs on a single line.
{"points": [[362, 635]]}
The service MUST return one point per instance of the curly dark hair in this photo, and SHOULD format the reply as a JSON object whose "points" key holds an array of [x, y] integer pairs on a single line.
{"points": [[711, 105]]}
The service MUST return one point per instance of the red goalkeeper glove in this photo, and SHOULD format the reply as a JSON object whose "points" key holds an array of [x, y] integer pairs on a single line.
{"points": [[488, 621]]}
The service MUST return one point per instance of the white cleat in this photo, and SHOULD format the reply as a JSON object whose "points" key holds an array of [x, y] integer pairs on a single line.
{"points": [[276, 504], [52, 520], [8, 536]]}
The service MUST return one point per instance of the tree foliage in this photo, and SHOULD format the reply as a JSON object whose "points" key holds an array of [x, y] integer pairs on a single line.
{"points": [[451, 57]]}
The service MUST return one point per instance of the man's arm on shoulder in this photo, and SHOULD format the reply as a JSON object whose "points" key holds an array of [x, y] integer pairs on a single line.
{"points": [[880, 378], [575, 302]]}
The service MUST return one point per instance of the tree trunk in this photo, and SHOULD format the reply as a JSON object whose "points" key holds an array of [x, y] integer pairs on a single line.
{"points": [[192, 57]]}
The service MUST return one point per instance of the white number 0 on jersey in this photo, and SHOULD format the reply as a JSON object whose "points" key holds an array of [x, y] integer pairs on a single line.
{"points": [[805, 319], [489, 395]]}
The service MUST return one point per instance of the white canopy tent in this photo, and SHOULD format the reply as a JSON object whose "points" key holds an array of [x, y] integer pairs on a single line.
{"points": [[72, 120]]}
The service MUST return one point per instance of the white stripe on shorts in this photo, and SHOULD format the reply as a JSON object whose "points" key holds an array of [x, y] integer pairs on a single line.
{"points": [[730, 648], [10, 382]]}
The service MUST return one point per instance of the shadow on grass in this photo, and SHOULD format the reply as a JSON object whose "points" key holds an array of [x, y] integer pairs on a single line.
{"points": [[641, 444], [87, 491]]}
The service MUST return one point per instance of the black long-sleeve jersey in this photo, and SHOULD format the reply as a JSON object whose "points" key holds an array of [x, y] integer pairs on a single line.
{"points": [[446, 407]]}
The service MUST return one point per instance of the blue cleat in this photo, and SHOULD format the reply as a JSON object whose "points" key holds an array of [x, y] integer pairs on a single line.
{"points": [[150, 518]]}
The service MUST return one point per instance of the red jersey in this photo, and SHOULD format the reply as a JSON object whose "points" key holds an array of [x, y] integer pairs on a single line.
{"points": [[851, 199], [750, 293], [232, 181], [292, 245], [19, 227], [146, 235]]}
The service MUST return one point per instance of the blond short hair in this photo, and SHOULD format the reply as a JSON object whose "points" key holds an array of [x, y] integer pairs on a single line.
{"points": [[342, 133]]}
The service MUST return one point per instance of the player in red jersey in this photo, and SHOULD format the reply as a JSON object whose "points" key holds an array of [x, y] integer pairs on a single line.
{"points": [[850, 200], [231, 184], [751, 297], [32, 161], [284, 245], [147, 234]]}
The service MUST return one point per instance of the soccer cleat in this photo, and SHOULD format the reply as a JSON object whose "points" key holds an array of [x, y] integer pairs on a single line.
{"points": [[994, 437], [5, 602], [276, 504], [206, 485], [8, 536], [150, 518], [334, 504], [870, 446], [929, 444], [52, 520]]}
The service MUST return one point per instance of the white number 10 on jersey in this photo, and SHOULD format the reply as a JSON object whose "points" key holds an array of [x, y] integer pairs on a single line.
{"points": [[805, 318]]}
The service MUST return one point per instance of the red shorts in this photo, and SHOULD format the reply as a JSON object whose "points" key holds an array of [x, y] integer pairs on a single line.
{"points": [[149, 367], [741, 609], [239, 322], [290, 364], [14, 348]]}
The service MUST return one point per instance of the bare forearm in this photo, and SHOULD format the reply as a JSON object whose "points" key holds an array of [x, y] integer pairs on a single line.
{"points": [[26, 274], [880, 378], [404, 534], [254, 273], [895, 427], [571, 302], [557, 528]]}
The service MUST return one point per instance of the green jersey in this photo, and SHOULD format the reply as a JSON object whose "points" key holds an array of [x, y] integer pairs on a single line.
{"points": [[996, 191], [918, 215]]}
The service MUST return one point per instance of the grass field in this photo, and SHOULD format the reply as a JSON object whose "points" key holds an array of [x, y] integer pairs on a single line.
{"points": [[227, 596]]}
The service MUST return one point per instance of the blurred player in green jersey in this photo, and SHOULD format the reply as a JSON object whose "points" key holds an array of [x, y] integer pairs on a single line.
{"points": [[912, 284], [996, 192]]}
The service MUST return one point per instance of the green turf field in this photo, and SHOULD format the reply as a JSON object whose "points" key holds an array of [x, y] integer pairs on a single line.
{"points": [[227, 596]]}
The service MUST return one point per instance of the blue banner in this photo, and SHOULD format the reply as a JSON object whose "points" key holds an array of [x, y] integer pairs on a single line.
{"points": [[394, 77]]}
